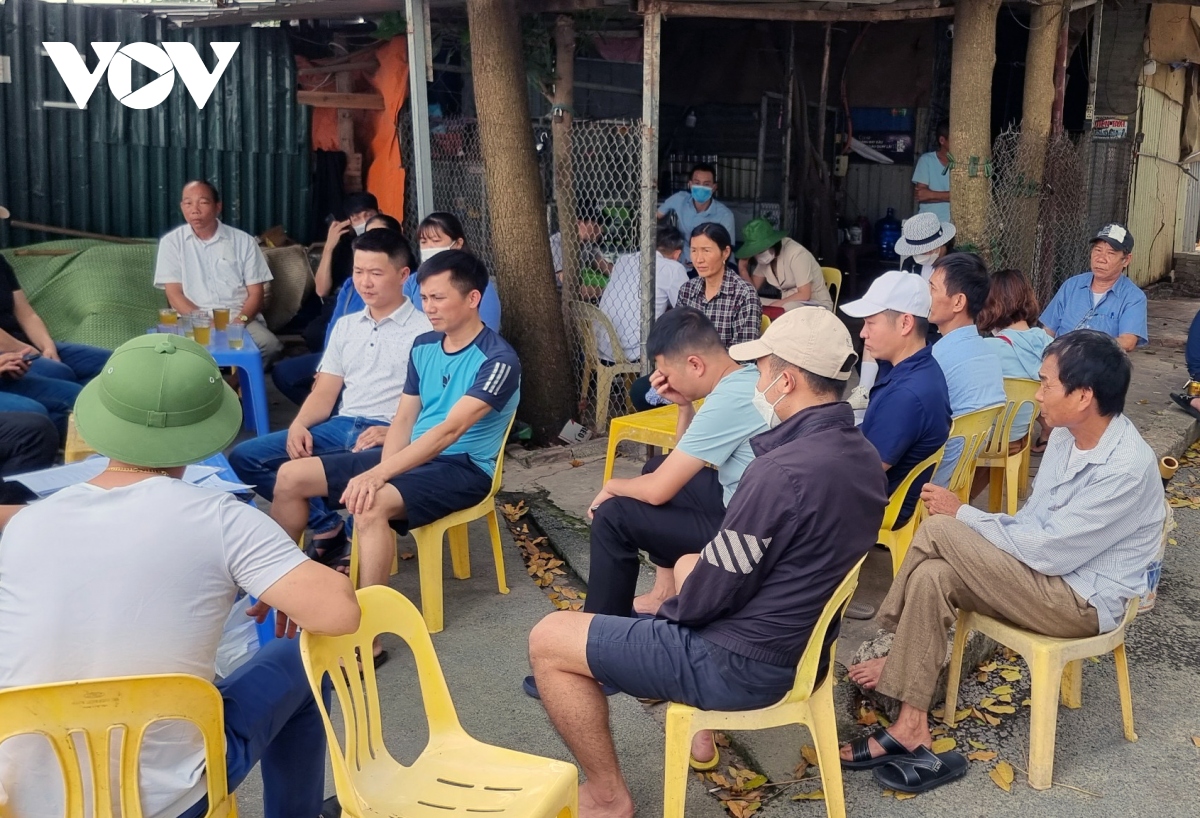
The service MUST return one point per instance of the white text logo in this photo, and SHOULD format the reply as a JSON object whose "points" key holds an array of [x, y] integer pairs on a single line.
{"points": [[165, 60]]}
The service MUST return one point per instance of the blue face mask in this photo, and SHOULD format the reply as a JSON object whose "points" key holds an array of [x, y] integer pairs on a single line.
{"points": [[701, 193]]}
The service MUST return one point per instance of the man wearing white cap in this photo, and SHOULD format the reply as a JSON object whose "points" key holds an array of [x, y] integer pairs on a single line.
{"points": [[908, 417], [807, 509]]}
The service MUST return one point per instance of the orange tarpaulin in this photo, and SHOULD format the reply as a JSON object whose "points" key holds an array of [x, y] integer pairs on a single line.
{"points": [[375, 131]]}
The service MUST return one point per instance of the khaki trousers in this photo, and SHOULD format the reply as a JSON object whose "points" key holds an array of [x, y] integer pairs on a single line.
{"points": [[950, 567]]}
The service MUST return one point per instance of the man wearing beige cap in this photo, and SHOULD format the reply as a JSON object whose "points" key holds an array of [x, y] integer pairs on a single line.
{"points": [[807, 509]]}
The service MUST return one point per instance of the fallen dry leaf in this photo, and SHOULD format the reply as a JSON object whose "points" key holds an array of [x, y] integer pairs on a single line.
{"points": [[1002, 689], [810, 755], [815, 795], [978, 745], [576, 464], [514, 513], [755, 783], [1026, 702], [1004, 697], [1002, 708], [944, 745], [867, 716], [988, 668], [938, 712], [801, 769], [1172, 541], [959, 715], [981, 755], [992, 720], [406, 555], [904, 796], [1011, 675], [1196, 740], [1002, 774], [986, 701], [981, 677]]}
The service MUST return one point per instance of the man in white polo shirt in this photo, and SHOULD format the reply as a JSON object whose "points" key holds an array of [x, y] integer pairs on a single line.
{"points": [[206, 264], [365, 362]]}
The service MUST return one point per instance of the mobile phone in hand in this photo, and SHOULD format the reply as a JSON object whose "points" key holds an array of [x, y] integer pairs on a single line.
{"points": [[31, 356]]}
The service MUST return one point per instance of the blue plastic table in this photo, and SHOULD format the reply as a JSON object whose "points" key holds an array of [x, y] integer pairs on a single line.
{"points": [[248, 362]]}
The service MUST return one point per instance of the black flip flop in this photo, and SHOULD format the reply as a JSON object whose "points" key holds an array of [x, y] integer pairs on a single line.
{"points": [[380, 659], [921, 771], [1184, 402], [331, 550], [860, 751]]}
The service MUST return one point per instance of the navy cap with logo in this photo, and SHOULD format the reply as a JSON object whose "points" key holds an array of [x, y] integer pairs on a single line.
{"points": [[1116, 236]]}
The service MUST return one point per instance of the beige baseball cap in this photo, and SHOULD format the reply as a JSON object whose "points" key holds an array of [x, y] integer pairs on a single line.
{"points": [[4, 214], [811, 338]]}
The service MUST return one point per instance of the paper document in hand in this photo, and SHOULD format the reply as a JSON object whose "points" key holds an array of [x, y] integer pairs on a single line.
{"points": [[45, 482]]}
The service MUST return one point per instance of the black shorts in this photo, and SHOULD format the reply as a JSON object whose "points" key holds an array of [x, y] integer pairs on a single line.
{"points": [[444, 485], [655, 659]]}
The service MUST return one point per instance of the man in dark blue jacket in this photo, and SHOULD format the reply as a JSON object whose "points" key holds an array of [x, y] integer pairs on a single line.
{"points": [[807, 509]]}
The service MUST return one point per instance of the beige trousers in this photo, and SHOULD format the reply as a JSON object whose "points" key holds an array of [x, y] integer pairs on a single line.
{"points": [[265, 340], [950, 567]]}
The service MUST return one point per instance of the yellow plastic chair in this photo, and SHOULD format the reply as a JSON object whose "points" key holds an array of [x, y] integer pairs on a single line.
{"points": [[833, 280], [87, 715], [429, 547], [897, 540], [1006, 469], [654, 427], [1052, 663], [455, 774], [590, 319], [76, 448], [974, 428], [810, 703]]}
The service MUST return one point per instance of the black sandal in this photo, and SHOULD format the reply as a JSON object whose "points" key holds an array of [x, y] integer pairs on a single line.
{"points": [[860, 751], [921, 771], [1184, 402], [331, 551]]}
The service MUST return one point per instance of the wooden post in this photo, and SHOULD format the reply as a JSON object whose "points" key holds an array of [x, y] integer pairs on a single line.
{"points": [[651, 53], [562, 115], [785, 177], [970, 117], [352, 179]]}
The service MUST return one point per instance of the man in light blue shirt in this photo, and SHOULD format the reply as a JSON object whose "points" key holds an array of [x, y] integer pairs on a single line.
{"points": [[1103, 298], [677, 504], [1068, 564], [974, 375], [931, 177], [697, 205]]}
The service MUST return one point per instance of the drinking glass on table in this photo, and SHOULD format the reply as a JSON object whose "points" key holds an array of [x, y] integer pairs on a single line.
{"points": [[235, 334], [220, 318], [184, 325], [202, 328], [168, 317]]}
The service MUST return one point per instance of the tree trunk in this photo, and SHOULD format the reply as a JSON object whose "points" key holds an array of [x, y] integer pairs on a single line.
{"points": [[563, 101], [516, 207], [1041, 56], [974, 58]]}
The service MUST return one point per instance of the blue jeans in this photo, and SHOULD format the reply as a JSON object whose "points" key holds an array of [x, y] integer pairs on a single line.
{"points": [[272, 717], [80, 363], [294, 376], [51, 397], [257, 461]]}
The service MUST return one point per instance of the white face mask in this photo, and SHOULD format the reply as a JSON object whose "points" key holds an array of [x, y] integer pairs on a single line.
{"points": [[360, 228], [765, 407], [765, 257], [429, 252], [926, 258]]}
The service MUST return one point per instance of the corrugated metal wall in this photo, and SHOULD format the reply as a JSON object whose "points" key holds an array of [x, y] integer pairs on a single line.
{"points": [[111, 169], [1155, 192], [870, 189]]}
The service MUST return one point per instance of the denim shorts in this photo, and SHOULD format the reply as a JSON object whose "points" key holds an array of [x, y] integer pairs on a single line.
{"points": [[655, 659]]}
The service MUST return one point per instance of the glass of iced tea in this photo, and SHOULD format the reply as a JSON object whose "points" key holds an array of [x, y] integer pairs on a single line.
{"points": [[202, 328], [235, 334], [220, 318], [184, 326], [168, 316]]}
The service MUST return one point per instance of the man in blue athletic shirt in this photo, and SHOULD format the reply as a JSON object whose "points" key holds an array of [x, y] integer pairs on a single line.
{"points": [[460, 394]]}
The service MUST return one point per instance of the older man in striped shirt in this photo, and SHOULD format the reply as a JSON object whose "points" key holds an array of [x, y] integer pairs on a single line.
{"points": [[1066, 565]]}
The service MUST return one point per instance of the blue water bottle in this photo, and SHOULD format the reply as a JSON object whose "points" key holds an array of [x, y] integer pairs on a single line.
{"points": [[887, 230]]}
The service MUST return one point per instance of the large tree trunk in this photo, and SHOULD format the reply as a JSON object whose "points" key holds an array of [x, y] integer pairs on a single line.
{"points": [[564, 171], [970, 117], [1045, 27], [516, 207]]}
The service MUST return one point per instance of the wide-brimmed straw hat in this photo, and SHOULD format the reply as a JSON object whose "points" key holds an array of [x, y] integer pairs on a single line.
{"points": [[161, 402], [922, 233]]}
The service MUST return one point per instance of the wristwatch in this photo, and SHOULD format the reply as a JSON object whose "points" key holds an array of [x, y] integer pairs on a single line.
{"points": [[243, 319]]}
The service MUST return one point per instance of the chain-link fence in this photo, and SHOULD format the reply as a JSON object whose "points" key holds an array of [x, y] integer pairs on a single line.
{"points": [[1038, 227], [597, 265]]}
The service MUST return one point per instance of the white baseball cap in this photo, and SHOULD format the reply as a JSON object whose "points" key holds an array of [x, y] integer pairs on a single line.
{"points": [[894, 290]]}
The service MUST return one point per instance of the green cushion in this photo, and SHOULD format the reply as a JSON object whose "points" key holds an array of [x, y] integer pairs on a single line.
{"points": [[101, 293]]}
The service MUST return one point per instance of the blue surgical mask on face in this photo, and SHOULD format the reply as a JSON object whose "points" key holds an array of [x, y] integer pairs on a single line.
{"points": [[701, 193]]}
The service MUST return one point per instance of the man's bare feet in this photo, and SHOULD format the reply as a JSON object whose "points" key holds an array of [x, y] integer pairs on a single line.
{"points": [[594, 803], [648, 603], [866, 674], [704, 747]]}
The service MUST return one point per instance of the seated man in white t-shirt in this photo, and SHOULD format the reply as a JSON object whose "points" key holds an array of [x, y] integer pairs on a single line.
{"points": [[206, 264], [365, 363], [135, 572], [622, 299]]}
